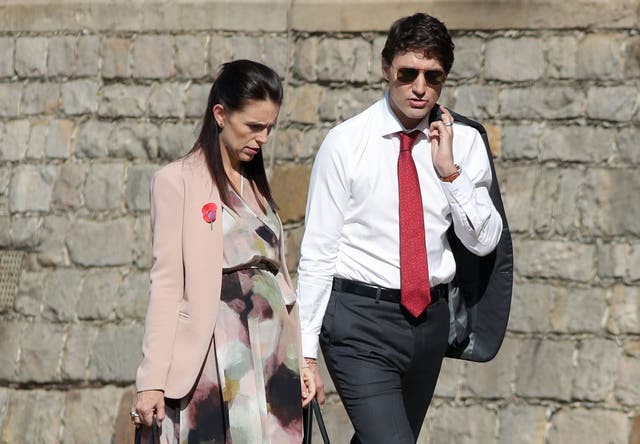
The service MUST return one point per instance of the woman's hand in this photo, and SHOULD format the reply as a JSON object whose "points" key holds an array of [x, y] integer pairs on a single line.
{"points": [[148, 403], [307, 380]]}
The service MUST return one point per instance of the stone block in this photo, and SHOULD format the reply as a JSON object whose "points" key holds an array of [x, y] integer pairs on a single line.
{"points": [[37, 140], [11, 333], [123, 100], [555, 259], [195, 99], [581, 425], [578, 310], [142, 255], [542, 103], [478, 426], [246, 47], [613, 260], [33, 416], [79, 97], [535, 378], [52, 250], [90, 413], [28, 300], [477, 101], [88, 55], [531, 306], [634, 438], [14, 140], [133, 296], [624, 306], [493, 379], [609, 205], [597, 365], [98, 295], [5, 227], [293, 238], [277, 54], [25, 232], [61, 289], [6, 56], [599, 57], [104, 188], [628, 151], [449, 378], [166, 100], [67, 189], [468, 62], [31, 56], [286, 142], [566, 215], [631, 60], [133, 140], [612, 103], [101, 243], [116, 353], [40, 351], [191, 56], [305, 54], [494, 134], [61, 59], [632, 348], [343, 60], [514, 60], [375, 69], [10, 94], [301, 104], [4, 402], [152, 56], [138, 182], [329, 105], [31, 187], [634, 258], [577, 144], [561, 56], [115, 57], [219, 52], [41, 98], [543, 194], [75, 361], [311, 141], [518, 183], [93, 139], [355, 100], [175, 140], [59, 139], [289, 185], [522, 423]]}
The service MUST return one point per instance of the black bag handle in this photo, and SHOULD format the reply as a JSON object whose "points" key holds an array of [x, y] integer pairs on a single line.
{"points": [[155, 433], [307, 413]]}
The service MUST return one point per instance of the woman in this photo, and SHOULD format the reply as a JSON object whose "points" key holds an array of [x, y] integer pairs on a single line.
{"points": [[222, 360]]}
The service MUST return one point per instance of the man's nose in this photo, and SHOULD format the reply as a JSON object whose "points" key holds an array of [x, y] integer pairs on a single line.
{"points": [[419, 85]]}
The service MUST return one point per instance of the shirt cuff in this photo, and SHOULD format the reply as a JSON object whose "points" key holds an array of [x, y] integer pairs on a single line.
{"points": [[309, 345], [459, 191]]}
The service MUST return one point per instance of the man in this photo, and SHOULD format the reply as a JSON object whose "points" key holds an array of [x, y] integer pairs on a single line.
{"points": [[376, 274]]}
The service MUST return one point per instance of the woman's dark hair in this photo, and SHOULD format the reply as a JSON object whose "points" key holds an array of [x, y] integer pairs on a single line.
{"points": [[421, 33], [237, 83]]}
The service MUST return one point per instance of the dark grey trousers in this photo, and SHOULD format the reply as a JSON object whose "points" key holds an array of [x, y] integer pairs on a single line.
{"points": [[384, 364]]}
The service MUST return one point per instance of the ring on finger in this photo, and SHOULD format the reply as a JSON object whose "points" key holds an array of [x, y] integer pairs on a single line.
{"points": [[133, 414], [448, 123]]}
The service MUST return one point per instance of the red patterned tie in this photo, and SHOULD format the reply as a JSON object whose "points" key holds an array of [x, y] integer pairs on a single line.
{"points": [[415, 293]]}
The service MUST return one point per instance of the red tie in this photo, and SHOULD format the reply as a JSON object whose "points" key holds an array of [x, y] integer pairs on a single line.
{"points": [[415, 292]]}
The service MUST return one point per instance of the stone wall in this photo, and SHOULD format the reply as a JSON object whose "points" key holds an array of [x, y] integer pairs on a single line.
{"points": [[95, 96]]}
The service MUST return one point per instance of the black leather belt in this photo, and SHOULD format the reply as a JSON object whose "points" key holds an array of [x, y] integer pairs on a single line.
{"points": [[381, 293]]}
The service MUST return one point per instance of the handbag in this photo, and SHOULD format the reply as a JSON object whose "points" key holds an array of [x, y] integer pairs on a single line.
{"points": [[307, 414], [155, 433]]}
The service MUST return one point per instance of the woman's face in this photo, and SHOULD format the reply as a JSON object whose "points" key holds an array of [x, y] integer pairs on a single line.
{"points": [[245, 131]]}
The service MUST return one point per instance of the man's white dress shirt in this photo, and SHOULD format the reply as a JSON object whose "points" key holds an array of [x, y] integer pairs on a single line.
{"points": [[352, 220]]}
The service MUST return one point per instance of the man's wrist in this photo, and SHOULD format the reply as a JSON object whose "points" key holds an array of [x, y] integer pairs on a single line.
{"points": [[451, 177]]}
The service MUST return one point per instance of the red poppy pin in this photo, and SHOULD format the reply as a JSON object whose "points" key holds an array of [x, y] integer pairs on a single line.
{"points": [[209, 213]]}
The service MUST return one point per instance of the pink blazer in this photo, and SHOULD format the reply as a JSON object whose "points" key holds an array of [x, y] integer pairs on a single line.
{"points": [[185, 286]]}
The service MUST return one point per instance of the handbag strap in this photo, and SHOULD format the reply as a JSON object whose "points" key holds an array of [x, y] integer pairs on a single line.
{"points": [[323, 430], [155, 433], [307, 414]]}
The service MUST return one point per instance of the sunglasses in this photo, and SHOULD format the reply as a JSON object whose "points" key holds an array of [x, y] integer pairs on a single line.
{"points": [[434, 77]]}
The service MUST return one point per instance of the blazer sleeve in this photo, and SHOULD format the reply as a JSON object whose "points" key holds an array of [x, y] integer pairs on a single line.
{"points": [[167, 278]]}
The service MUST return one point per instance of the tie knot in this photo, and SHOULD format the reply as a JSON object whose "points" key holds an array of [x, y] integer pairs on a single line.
{"points": [[407, 140]]}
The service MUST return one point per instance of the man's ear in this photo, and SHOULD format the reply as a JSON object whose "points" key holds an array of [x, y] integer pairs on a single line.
{"points": [[386, 71]]}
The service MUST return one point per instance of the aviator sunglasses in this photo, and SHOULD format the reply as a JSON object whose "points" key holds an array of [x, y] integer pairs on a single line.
{"points": [[434, 77]]}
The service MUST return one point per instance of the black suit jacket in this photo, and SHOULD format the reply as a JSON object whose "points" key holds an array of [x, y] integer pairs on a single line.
{"points": [[480, 294]]}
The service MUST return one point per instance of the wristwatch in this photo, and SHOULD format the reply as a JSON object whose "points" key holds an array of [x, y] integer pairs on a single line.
{"points": [[453, 176]]}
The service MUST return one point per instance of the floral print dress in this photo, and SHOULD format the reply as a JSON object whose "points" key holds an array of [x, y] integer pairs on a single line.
{"points": [[249, 387]]}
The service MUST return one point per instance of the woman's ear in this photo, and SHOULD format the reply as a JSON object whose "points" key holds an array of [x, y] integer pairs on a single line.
{"points": [[219, 115]]}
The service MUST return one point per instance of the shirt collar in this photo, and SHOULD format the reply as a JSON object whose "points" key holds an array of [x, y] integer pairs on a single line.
{"points": [[389, 123]]}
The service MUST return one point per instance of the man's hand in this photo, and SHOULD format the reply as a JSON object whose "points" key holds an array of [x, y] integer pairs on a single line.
{"points": [[441, 132], [313, 366], [148, 403], [307, 380]]}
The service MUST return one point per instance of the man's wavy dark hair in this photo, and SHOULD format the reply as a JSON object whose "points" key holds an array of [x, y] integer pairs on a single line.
{"points": [[420, 33]]}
